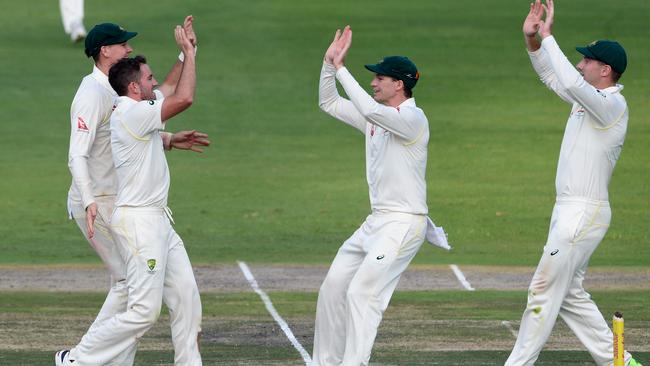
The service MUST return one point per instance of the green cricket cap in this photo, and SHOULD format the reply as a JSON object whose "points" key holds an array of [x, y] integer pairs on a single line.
{"points": [[399, 67], [105, 34], [609, 52]]}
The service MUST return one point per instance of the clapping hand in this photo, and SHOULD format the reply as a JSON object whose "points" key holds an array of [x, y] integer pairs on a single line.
{"points": [[338, 49]]}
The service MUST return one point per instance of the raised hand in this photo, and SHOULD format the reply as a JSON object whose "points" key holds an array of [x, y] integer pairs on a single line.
{"points": [[183, 41], [344, 43], [533, 21], [339, 46], [189, 29], [547, 24], [332, 50]]}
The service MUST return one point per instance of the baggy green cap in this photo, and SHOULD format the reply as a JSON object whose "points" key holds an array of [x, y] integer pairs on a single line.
{"points": [[609, 52], [399, 67], [105, 34]]}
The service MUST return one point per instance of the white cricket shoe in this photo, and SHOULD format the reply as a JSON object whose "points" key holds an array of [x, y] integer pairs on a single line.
{"points": [[62, 358], [78, 32]]}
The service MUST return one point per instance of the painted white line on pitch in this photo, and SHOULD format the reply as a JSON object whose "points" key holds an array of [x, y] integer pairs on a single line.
{"points": [[271, 309], [461, 277], [508, 326]]}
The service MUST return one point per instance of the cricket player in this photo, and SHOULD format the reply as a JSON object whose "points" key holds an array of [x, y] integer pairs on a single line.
{"points": [[592, 143], [72, 16], [156, 261], [94, 185], [367, 267]]}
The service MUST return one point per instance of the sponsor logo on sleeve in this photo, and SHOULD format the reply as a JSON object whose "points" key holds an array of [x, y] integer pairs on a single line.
{"points": [[578, 112], [81, 125]]}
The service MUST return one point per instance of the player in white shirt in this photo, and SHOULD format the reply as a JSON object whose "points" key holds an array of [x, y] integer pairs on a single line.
{"points": [[592, 143], [93, 191], [367, 267]]}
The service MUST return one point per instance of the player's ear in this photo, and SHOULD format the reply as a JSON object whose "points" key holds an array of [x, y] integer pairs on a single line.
{"points": [[400, 84], [606, 70], [134, 88]]}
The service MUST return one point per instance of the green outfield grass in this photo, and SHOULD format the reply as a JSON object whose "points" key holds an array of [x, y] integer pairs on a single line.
{"points": [[283, 181], [419, 328]]}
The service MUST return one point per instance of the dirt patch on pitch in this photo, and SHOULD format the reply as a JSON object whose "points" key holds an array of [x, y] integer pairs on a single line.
{"points": [[229, 278], [23, 332]]}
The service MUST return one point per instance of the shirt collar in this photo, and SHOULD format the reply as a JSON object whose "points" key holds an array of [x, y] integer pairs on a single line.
{"points": [[614, 88], [102, 79], [125, 101], [410, 102]]}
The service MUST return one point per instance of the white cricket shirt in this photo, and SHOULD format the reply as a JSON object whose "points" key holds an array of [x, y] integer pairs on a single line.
{"points": [[396, 142], [89, 155], [138, 154], [595, 131]]}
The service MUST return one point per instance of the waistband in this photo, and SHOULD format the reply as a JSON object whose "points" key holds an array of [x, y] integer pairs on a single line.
{"points": [[166, 211], [396, 214], [579, 199]]}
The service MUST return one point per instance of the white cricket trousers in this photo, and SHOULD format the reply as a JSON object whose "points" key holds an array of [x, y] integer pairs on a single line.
{"points": [[157, 265], [577, 227], [72, 14], [359, 285], [106, 248]]}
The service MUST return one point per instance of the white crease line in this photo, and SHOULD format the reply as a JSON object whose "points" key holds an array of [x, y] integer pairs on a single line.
{"points": [[461, 277], [508, 325], [271, 309]]}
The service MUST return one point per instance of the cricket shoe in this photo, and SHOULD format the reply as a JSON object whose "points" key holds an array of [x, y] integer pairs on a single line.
{"points": [[634, 362], [62, 358], [78, 32]]}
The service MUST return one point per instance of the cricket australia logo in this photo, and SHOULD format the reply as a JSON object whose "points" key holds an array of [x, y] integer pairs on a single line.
{"points": [[151, 263]]}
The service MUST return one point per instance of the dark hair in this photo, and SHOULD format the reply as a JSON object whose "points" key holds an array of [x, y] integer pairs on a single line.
{"points": [[124, 72], [408, 92], [616, 75]]}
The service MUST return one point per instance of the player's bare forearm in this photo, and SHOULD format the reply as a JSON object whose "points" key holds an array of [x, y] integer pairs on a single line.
{"points": [[183, 96], [168, 87], [532, 43]]}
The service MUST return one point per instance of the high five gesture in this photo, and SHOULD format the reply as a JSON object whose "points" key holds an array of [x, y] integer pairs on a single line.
{"points": [[534, 24], [338, 49]]}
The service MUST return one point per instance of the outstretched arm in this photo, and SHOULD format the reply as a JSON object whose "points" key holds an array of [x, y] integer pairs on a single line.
{"points": [[183, 95], [532, 24], [189, 140], [534, 28], [329, 99], [169, 85]]}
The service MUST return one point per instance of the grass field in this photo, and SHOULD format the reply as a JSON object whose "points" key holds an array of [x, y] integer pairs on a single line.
{"points": [[420, 328], [283, 183]]}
